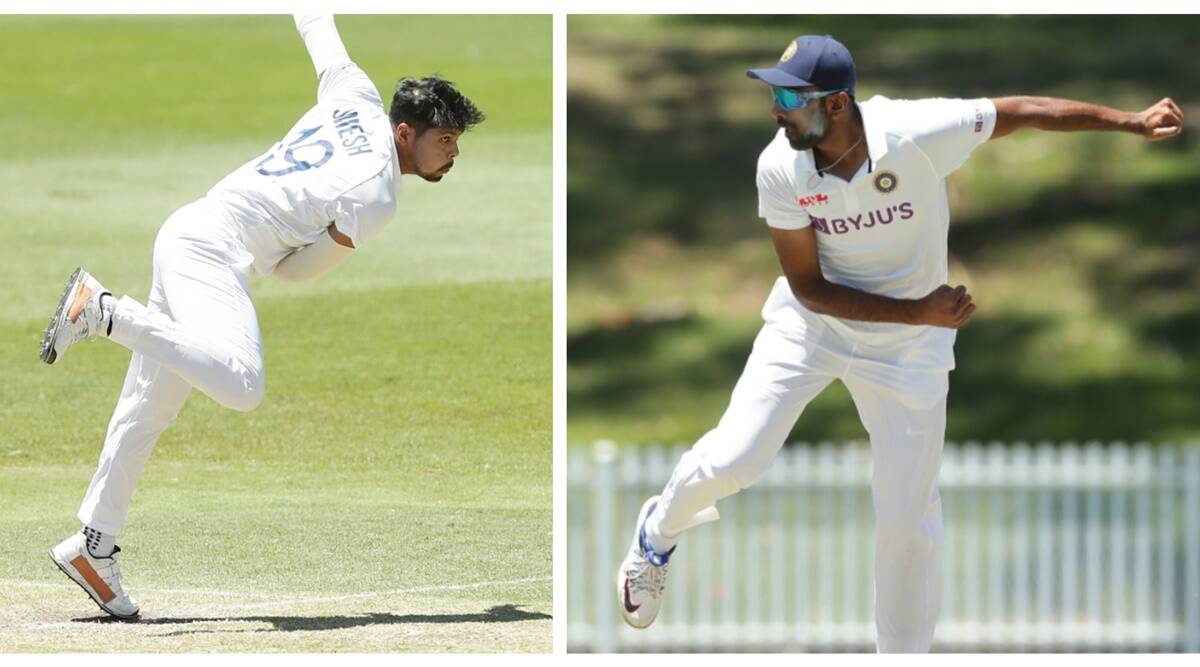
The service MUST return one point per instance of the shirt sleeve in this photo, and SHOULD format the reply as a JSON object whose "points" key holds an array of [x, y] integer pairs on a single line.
{"points": [[777, 201], [347, 82], [948, 131], [321, 38], [362, 222], [339, 77]]}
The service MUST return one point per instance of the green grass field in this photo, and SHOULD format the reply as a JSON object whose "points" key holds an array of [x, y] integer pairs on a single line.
{"points": [[393, 492]]}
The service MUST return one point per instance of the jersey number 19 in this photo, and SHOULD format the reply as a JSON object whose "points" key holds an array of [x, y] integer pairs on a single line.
{"points": [[289, 156]]}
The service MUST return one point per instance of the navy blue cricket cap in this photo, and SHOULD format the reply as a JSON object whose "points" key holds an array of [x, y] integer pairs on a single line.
{"points": [[811, 60]]}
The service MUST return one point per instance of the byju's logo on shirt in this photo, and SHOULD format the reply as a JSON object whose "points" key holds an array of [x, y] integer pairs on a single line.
{"points": [[854, 223]]}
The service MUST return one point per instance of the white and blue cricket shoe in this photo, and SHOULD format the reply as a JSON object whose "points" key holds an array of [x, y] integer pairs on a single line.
{"points": [[643, 575]]}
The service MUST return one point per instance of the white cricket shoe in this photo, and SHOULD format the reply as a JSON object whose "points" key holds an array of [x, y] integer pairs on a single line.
{"points": [[643, 575], [98, 577], [78, 316]]}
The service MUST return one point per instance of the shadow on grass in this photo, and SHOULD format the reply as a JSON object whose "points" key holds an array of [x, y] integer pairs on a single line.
{"points": [[989, 399], [633, 364], [506, 613], [1160, 213]]}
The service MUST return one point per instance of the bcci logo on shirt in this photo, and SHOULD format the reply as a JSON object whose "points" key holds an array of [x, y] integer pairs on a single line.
{"points": [[886, 182]]}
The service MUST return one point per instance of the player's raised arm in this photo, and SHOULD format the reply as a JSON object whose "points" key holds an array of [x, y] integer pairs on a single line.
{"points": [[322, 40], [338, 76], [1163, 120], [945, 306]]}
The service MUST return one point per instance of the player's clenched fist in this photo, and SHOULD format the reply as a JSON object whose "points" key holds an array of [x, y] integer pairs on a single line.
{"points": [[1161, 121], [945, 306]]}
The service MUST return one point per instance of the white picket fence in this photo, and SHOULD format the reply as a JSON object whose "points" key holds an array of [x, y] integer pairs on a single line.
{"points": [[1048, 548]]}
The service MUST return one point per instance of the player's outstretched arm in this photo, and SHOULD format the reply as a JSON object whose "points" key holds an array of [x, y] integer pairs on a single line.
{"points": [[1163, 120], [322, 40], [945, 306]]}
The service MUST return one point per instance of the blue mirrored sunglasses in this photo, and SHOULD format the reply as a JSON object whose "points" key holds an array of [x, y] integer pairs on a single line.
{"points": [[788, 99]]}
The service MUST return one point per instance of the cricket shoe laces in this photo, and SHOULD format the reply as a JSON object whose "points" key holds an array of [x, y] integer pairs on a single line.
{"points": [[642, 578], [646, 577], [100, 578], [80, 316]]}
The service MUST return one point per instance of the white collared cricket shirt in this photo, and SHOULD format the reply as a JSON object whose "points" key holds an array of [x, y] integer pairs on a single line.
{"points": [[884, 231], [337, 164]]}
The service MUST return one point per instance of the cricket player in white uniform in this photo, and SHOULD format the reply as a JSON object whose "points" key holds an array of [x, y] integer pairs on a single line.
{"points": [[295, 212], [855, 197]]}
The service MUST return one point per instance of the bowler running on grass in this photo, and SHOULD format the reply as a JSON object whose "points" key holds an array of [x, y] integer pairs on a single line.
{"points": [[855, 197], [295, 212]]}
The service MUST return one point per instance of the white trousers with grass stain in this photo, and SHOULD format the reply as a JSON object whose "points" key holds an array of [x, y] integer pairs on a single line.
{"points": [[904, 412], [198, 329]]}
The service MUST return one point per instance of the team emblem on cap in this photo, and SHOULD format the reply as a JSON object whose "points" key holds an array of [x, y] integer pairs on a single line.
{"points": [[788, 52], [886, 182]]}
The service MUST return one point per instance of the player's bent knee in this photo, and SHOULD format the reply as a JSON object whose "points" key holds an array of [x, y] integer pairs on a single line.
{"points": [[735, 474], [244, 402], [740, 471], [738, 477], [724, 455], [255, 392], [249, 395]]}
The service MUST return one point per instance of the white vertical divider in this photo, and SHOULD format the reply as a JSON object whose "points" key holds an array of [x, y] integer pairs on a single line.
{"points": [[802, 531], [1047, 580], [1070, 554], [1142, 565], [1191, 586], [1093, 541], [577, 541], [1166, 543], [1021, 481], [1118, 477], [604, 455], [825, 555], [996, 474]]}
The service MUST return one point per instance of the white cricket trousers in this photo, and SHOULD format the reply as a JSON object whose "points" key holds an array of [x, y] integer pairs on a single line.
{"points": [[198, 329], [904, 413]]}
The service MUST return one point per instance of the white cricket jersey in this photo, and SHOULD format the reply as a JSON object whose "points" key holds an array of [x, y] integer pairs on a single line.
{"points": [[884, 231], [337, 164]]}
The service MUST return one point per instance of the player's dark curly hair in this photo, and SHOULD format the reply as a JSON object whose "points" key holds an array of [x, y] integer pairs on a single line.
{"points": [[433, 102]]}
